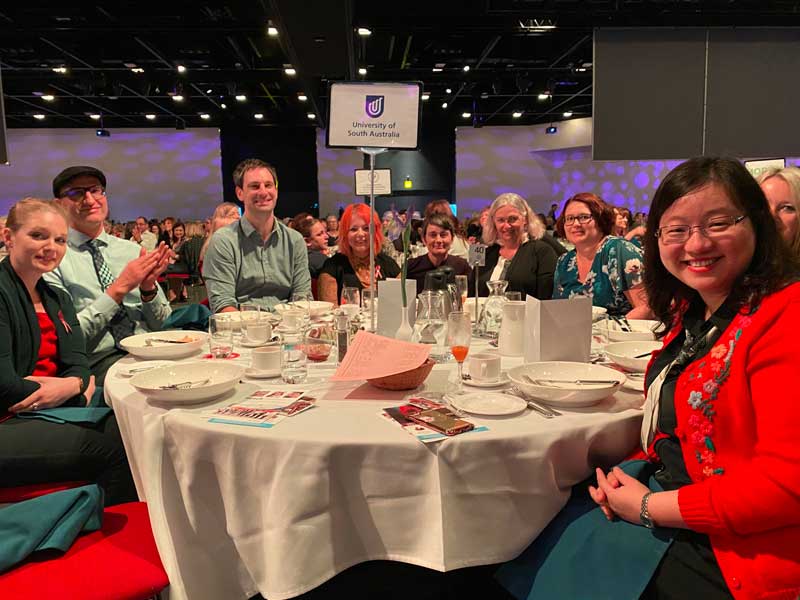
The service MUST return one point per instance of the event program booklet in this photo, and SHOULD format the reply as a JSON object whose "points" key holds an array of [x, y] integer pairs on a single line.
{"points": [[259, 408], [397, 415]]}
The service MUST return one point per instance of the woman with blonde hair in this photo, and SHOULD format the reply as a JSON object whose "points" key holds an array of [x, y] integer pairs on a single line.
{"points": [[516, 252], [782, 189], [224, 214]]}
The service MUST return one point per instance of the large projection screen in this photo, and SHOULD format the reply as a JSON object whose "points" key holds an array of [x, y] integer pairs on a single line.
{"points": [[3, 145], [648, 93], [753, 92]]}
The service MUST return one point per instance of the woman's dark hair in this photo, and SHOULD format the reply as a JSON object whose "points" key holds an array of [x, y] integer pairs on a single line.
{"points": [[305, 225], [603, 213], [772, 266], [440, 220]]}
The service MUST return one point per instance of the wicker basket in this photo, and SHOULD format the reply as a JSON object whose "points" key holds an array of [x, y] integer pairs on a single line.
{"points": [[407, 380]]}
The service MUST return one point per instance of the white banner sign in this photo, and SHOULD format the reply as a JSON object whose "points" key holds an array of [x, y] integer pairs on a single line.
{"points": [[374, 115], [757, 167], [381, 177]]}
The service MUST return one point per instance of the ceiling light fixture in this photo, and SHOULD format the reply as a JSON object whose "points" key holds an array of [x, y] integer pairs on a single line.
{"points": [[61, 70], [38, 117], [302, 97], [209, 90], [311, 116], [150, 117], [362, 71], [94, 116], [181, 69], [223, 105], [258, 116], [466, 115], [363, 31], [544, 96], [137, 70], [272, 31], [465, 68], [444, 104], [205, 116], [436, 70], [426, 96], [516, 114], [48, 97], [568, 114], [177, 98], [291, 71], [241, 97], [448, 91]]}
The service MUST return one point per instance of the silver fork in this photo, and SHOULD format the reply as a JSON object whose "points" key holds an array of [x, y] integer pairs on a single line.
{"points": [[546, 412], [185, 385]]}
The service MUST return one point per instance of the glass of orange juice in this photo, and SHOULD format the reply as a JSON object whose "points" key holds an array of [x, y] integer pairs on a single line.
{"points": [[459, 334]]}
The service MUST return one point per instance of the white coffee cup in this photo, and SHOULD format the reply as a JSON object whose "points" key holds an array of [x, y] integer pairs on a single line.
{"points": [[484, 366], [266, 359], [258, 332], [292, 319]]}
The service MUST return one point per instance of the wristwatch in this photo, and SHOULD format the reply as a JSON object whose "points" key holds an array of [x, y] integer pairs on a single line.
{"points": [[644, 514], [149, 295]]}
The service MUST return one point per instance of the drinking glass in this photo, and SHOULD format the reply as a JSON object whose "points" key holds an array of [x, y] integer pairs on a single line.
{"points": [[459, 335], [514, 296], [369, 303], [220, 334], [294, 368], [462, 285], [302, 301], [350, 301]]}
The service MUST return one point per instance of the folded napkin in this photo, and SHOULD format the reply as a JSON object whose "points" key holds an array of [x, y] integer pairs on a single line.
{"points": [[50, 522], [623, 556], [194, 316], [68, 414]]}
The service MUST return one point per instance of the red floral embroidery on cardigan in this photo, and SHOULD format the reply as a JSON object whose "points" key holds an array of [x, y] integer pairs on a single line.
{"points": [[703, 392]]}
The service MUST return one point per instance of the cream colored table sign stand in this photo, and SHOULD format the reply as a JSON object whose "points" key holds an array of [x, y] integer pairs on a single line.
{"points": [[558, 329]]}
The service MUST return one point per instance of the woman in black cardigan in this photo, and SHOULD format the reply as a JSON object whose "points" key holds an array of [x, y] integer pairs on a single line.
{"points": [[516, 252], [43, 365]]}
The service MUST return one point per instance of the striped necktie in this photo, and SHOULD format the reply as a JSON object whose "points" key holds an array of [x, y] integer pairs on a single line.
{"points": [[121, 325]]}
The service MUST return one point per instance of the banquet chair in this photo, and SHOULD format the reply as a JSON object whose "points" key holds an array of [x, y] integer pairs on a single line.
{"points": [[120, 562]]}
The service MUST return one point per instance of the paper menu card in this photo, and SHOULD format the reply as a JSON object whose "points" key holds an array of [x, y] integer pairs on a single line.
{"points": [[370, 356], [558, 329]]}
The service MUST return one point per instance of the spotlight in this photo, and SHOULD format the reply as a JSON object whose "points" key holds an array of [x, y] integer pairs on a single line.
{"points": [[272, 31], [544, 96], [448, 91], [150, 117], [137, 70], [102, 132], [181, 69], [551, 130], [48, 97], [466, 68], [364, 31], [311, 116], [241, 97], [291, 71], [444, 104], [437, 69], [362, 71], [205, 116], [62, 70], [567, 114], [426, 96], [466, 115], [516, 114], [302, 97], [258, 116], [177, 98], [39, 117], [94, 116], [223, 106]]}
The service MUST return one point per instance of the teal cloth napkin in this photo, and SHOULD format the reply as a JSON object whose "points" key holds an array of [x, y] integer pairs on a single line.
{"points": [[617, 558], [194, 316], [68, 414], [50, 522]]}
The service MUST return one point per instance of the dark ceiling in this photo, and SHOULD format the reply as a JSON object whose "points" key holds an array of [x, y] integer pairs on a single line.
{"points": [[514, 50]]}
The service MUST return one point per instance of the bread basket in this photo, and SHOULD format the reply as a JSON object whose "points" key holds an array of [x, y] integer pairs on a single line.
{"points": [[407, 380]]}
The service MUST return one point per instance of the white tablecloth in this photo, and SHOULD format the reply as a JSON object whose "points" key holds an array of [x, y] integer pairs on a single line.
{"points": [[237, 510]]}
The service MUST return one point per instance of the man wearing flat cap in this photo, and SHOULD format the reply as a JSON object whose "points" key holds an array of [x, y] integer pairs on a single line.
{"points": [[112, 281]]}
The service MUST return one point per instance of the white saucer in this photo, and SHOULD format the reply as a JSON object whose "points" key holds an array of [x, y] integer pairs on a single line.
{"points": [[256, 374], [502, 380], [489, 403], [247, 344]]}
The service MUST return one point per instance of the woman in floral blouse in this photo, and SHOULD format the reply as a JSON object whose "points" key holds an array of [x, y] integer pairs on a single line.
{"points": [[604, 267]]}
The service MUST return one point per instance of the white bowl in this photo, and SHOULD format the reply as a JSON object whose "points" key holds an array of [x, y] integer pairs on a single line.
{"points": [[221, 375], [317, 308], [598, 313], [566, 394], [641, 331], [137, 344], [624, 354]]}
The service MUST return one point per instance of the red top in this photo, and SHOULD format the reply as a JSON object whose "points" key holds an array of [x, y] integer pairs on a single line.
{"points": [[47, 363], [738, 422]]}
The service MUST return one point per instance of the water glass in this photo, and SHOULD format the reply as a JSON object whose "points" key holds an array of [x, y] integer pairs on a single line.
{"points": [[514, 296], [294, 366], [302, 302], [220, 334], [351, 300], [369, 304]]}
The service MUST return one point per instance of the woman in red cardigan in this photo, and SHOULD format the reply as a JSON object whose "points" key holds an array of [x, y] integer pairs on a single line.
{"points": [[722, 416]]}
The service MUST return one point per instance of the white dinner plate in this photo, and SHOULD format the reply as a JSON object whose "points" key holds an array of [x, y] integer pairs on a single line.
{"points": [[185, 343], [489, 403], [208, 379], [132, 369], [502, 380]]}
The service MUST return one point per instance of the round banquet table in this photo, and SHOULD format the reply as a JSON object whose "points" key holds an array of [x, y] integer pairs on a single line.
{"points": [[240, 510]]}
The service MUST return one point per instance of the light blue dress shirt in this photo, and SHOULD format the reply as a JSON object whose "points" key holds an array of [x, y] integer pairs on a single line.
{"points": [[240, 267], [77, 276]]}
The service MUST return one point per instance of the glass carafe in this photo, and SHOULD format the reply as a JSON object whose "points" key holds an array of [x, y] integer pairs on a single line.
{"points": [[430, 326], [492, 314]]}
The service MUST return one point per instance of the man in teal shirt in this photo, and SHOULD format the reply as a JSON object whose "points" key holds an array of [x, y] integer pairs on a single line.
{"points": [[112, 281], [256, 259]]}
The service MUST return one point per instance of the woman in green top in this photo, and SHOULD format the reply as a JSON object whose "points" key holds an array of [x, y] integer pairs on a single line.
{"points": [[43, 365]]}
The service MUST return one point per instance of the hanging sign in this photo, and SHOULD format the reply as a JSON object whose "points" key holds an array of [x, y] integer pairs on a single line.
{"points": [[374, 115]]}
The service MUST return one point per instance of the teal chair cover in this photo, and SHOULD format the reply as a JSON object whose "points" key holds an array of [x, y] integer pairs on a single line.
{"points": [[194, 316], [50, 522], [581, 554]]}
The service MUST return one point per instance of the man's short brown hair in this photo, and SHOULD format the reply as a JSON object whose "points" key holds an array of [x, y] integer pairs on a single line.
{"points": [[248, 164]]}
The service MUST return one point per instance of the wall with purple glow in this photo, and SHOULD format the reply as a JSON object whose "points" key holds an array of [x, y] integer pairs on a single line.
{"points": [[335, 176], [151, 172], [493, 160]]}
